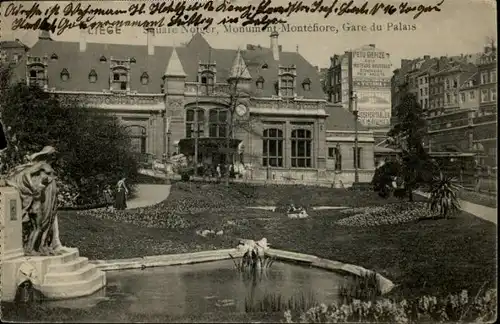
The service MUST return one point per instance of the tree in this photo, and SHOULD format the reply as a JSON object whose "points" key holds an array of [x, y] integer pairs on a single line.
{"points": [[409, 131], [235, 93], [93, 147]]}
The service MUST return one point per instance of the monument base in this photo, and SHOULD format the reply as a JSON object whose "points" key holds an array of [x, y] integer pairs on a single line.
{"points": [[57, 277]]}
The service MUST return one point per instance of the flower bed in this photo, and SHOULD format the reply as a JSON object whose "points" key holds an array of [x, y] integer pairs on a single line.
{"points": [[385, 215], [452, 308]]}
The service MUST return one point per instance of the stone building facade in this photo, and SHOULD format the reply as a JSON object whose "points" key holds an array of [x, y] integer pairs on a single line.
{"points": [[190, 99]]}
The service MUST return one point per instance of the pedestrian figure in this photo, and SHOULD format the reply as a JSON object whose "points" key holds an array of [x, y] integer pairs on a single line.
{"points": [[108, 197], [219, 175], [121, 195]]}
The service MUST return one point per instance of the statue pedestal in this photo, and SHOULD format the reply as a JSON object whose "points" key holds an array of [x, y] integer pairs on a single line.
{"points": [[57, 277]]}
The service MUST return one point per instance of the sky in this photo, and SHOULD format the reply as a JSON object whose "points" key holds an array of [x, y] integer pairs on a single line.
{"points": [[462, 26]]}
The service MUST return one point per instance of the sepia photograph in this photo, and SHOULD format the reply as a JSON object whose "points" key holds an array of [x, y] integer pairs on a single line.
{"points": [[253, 161]]}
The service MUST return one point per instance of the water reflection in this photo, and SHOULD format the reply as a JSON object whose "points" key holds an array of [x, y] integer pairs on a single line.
{"points": [[203, 288]]}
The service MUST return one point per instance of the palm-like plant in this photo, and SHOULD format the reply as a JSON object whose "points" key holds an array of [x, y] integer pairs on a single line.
{"points": [[443, 196]]}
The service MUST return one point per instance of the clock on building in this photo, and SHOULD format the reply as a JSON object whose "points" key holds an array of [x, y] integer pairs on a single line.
{"points": [[241, 110]]}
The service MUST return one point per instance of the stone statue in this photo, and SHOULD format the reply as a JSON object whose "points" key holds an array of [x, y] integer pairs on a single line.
{"points": [[36, 183]]}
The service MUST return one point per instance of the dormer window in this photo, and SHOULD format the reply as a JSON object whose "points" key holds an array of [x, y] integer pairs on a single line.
{"points": [[132, 60], [103, 59], [144, 78], [260, 83], [54, 57], [207, 77], [265, 66], [64, 75], [120, 79], [286, 85], [306, 84], [92, 76]]}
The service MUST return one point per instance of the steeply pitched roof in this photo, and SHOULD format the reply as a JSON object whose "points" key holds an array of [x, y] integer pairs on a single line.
{"points": [[174, 66], [340, 119], [259, 62], [239, 69]]}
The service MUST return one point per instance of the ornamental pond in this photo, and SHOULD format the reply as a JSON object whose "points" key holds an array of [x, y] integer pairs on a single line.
{"points": [[194, 290]]}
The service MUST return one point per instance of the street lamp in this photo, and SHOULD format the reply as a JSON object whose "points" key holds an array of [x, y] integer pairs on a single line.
{"points": [[354, 99]]}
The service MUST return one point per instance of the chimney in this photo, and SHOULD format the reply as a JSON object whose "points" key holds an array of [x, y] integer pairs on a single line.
{"points": [[427, 57], [83, 38], [274, 46], [151, 46], [372, 45]]}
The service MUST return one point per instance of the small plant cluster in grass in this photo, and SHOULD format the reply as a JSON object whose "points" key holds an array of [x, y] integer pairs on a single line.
{"points": [[151, 217], [365, 287], [384, 215], [275, 302], [453, 308]]}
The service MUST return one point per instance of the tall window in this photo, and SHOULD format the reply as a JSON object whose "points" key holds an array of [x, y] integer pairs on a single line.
{"points": [[484, 77], [493, 76], [301, 148], [138, 138], [357, 157], [338, 158], [472, 95], [218, 119], [462, 97], [272, 148], [195, 122], [484, 95], [286, 86], [493, 94]]}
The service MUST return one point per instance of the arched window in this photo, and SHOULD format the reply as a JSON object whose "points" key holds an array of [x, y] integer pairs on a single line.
{"points": [[92, 76], [272, 148], [64, 75], [306, 84], [144, 78], [195, 122], [218, 119], [301, 148], [338, 158], [260, 82]]}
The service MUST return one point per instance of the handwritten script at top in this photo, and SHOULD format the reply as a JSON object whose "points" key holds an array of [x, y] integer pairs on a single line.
{"points": [[58, 19]]}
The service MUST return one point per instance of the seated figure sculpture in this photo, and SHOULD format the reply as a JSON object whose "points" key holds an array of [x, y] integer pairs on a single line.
{"points": [[36, 184]]}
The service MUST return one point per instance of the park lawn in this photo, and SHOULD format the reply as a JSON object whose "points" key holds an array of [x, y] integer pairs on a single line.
{"points": [[426, 257]]}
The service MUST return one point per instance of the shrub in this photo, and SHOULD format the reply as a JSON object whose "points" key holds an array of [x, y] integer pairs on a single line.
{"points": [[452, 308], [93, 148], [443, 198], [382, 179]]}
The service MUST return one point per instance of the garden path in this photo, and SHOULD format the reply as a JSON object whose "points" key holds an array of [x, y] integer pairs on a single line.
{"points": [[487, 213], [149, 194]]}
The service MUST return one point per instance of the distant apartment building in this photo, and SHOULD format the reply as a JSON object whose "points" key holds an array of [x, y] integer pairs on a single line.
{"points": [[459, 96], [12, 51], [485, 139]]}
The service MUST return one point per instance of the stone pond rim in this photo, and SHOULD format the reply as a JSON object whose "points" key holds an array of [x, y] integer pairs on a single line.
{"points": [[386, 285]]}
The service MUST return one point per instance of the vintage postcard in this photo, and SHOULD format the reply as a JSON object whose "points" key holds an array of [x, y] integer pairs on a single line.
{"points": [[248, 161]]}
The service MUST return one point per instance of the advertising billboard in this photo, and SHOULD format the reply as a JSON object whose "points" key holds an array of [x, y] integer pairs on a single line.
{"points": [[371, 79]]}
